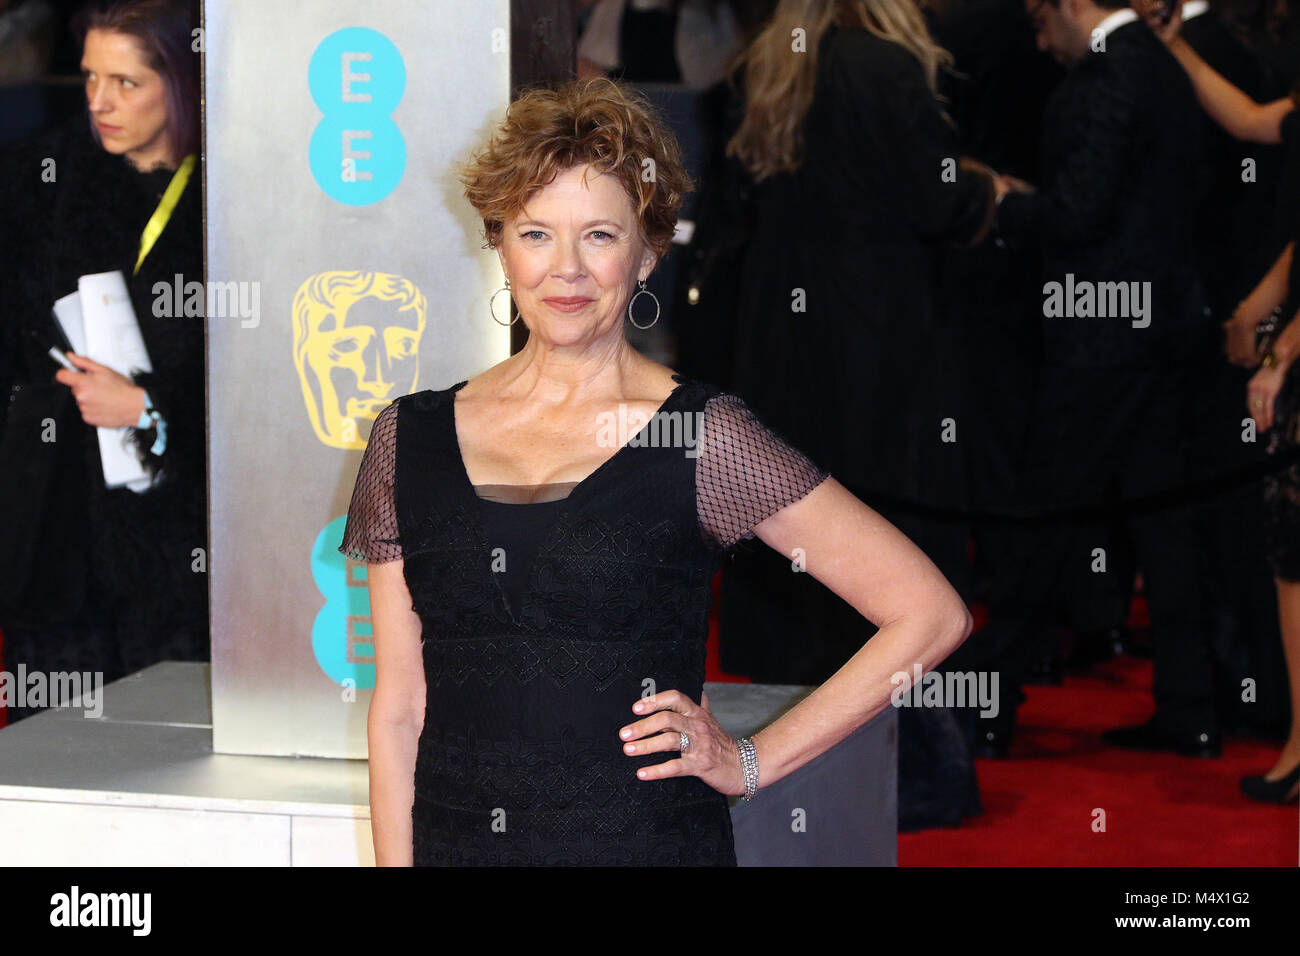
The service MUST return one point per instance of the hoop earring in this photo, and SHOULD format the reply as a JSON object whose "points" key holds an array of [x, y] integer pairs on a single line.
{"points": [[644, 291], [492, 306]]}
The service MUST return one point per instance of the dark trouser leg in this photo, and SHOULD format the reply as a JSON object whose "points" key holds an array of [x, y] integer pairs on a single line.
{"points": [[1184, 667], [1168, 552], [1035, 555], [1022, 604]]}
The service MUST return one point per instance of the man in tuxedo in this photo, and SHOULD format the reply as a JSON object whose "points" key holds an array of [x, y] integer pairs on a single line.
{"points": [[996, 93], [1122, 322]]}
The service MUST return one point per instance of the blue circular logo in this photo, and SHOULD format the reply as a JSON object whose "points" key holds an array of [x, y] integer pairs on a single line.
{"points": [[342, 637], [357, 78]]}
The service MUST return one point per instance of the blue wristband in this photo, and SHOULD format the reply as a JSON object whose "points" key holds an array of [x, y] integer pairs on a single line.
{"points": [[150, 418]]}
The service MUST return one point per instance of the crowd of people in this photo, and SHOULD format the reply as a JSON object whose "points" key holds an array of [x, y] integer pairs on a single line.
{"points": [[884, 215]]}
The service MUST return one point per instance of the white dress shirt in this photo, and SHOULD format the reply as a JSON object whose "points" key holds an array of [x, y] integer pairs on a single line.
{"points": [[1113, 23]]}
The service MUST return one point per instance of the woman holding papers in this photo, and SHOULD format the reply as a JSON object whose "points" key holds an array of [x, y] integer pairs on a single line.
{"points": [[98, 575]]}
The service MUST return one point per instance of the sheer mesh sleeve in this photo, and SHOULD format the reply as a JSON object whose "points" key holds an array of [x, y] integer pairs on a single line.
{"points": [[746, 472], [371, 531]]}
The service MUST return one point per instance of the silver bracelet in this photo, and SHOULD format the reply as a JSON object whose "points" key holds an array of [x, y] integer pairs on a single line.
{"points": [[749, 763]]}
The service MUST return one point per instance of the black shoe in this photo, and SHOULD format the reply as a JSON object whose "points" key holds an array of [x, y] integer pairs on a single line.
{"points": [[1273, 791], [1152, 736]]}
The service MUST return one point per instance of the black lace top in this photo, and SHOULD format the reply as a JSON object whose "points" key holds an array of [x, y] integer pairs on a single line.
{"points": [[597, 599]]}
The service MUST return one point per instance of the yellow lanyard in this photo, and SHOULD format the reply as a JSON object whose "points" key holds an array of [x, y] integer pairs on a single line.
{"points": [[158, 221]]}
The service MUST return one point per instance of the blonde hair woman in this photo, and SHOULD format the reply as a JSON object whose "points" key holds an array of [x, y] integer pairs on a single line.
{"points": [[779, 87]]}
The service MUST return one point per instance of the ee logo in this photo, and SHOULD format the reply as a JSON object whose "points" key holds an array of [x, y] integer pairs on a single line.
{"points": [[357, 153], [342, 636]]}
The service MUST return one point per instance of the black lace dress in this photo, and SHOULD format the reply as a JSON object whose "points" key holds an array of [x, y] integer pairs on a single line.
{"points": [[543, 623]]}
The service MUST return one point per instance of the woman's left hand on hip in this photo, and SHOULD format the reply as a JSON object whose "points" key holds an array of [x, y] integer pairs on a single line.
{"points": [[711, 755]]}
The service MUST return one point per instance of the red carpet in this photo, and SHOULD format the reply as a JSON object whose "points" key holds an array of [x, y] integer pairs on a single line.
{"points": [[1159, 809], [1040, 805]]}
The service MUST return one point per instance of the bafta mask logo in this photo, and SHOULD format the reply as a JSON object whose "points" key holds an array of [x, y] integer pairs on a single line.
{"points": [[356, 343]]}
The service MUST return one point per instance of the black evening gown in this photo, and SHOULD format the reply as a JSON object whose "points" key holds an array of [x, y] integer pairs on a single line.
{"points": [[532, 669], [838, 335], [838, 338]]}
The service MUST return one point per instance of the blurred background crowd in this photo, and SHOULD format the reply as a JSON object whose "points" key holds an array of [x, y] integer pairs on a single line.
{"points": [[884, 187]]}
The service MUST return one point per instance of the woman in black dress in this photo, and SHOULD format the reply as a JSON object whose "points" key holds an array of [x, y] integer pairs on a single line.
{"points": [[94, 578], [1263, 333], [540, 603]]}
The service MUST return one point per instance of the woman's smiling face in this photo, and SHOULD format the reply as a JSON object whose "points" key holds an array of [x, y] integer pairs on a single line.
{"points": [[573, 256]]}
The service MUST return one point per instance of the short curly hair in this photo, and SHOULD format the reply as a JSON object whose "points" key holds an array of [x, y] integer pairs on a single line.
{"points": [[595, 122]]}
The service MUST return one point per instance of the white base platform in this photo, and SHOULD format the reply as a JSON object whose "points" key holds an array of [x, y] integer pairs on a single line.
{"points": [[140, 786]]}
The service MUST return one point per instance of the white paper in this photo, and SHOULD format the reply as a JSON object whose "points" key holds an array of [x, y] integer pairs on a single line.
{"points": [[111, 336], [68, 311]]}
